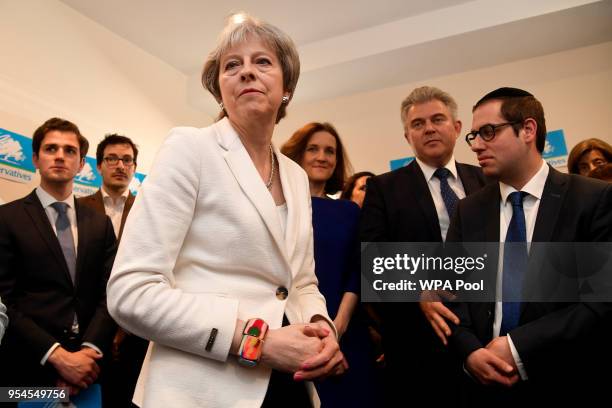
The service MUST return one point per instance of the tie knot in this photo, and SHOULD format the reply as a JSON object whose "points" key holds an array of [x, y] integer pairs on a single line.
{"points": [[442, 173], [60, 207], [516, 198]]}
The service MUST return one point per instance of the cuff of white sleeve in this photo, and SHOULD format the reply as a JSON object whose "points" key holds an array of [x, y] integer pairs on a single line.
{"points": [[43, 361], [92, 346], [517, 359]]}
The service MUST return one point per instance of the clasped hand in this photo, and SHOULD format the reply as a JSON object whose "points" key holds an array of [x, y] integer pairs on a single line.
{"points": [[310, 351]]}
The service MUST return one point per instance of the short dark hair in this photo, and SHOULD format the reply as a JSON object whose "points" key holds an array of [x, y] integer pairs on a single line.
{"points": [[114, 139], [61, 125], [583, 148], [347, 192], [295, 147], [517, 106]]}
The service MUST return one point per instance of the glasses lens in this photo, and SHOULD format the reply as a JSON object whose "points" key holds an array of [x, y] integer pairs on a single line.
{"points": [[487, 132], [127, 160], [112, 160]]}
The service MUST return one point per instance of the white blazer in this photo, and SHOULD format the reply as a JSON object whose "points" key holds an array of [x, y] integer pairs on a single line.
{"points": [[203, 246]]}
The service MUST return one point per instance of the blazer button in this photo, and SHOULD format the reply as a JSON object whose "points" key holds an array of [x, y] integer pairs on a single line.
{"points": [[282, 293]]}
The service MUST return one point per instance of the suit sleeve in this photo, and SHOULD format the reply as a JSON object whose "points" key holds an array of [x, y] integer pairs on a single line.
{"points": [[463, 339], [102, 328], [22, 327], [373, 225], [566, 325], [142, 294]]}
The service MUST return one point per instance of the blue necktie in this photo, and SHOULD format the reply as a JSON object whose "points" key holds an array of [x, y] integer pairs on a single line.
{"points": [[448, 195], [64, 236], [515, 264]]}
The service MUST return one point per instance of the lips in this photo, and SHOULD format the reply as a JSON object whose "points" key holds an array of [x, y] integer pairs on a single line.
{"points": [[482, 159], [249, 90]]}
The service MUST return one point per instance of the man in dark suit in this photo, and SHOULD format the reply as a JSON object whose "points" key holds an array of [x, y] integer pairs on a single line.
{"points": [[413, 204], [520, 352], [55, 258], [116, 158]]}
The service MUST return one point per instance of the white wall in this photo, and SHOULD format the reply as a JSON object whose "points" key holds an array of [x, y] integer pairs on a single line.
{"points": [[574, 86], [56, 62]]}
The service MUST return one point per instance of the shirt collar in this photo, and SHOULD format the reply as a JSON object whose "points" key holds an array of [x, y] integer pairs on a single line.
{"points": [[428, 171], [534, 187], [47, 199], [122, 198]]}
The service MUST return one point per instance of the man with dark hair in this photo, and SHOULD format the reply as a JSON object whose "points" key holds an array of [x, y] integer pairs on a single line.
{"points": [[55, 259], [414, 204], [522, 352], [116, 158]]}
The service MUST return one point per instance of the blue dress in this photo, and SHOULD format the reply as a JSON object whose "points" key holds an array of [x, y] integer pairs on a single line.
{"points": [[336, 251]]}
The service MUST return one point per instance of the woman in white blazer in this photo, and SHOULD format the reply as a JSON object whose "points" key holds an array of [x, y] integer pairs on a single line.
{"points": [[220, 234]]}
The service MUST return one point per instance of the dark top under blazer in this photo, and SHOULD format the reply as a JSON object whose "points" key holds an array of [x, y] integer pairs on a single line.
{"points": [[552, 339], [37, 289]]}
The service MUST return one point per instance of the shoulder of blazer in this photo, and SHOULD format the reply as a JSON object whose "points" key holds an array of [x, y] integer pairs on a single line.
{"points": [[400, 176]]}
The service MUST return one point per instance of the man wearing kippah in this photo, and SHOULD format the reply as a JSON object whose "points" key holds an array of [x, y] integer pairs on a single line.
{"points": [[526, 352]]}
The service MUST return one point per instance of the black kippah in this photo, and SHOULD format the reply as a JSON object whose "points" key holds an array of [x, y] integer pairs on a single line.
{"points": [[504, 92]]}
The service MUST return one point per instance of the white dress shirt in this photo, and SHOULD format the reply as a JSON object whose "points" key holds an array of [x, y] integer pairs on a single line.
{"points": [[434, 188], [531, 204], [3, 320], [46, 200], [114, 208]]}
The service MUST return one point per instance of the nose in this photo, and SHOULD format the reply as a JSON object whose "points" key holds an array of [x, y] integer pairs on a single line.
{"points": [[120, 164], [247, 72], [592, 166], [59, 154], [477, 144], [429, 127]]}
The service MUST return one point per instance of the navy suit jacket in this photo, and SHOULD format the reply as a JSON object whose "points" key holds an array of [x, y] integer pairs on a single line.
{"points": [[36, 287], [558, 342]]}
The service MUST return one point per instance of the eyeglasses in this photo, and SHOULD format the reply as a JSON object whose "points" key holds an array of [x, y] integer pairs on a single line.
{"points": [[114, 160], [486, 132]]}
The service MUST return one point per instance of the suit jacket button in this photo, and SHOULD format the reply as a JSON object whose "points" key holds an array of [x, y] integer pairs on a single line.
{"points": [[282, 293]]}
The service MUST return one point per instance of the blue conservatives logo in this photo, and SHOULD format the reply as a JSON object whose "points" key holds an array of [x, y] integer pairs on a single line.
{"points": [[16, 150], [555, 149], [399, 163], [136, 182], [89, 175], [555, 144]]}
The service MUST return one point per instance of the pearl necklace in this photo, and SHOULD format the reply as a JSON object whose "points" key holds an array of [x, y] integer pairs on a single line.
{"points": [[271, 179]]}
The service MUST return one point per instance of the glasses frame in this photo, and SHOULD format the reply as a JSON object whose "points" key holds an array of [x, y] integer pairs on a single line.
{"points": [[108, 160], [473, 134]]}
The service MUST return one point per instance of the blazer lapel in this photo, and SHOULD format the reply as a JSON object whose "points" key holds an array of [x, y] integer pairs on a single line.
{"points": [[243, 169], [552, 197], [294, 212], [491, 205], [126, 210], [423, 197], [98, 202], [468, 179], [83, 231], [39, 217]]}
